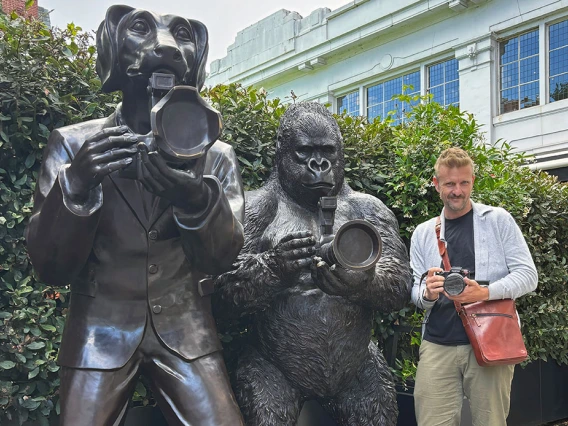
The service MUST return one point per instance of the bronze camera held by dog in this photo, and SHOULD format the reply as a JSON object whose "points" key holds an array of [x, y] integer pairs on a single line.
{"points": [[357, 245], [184, 126]]}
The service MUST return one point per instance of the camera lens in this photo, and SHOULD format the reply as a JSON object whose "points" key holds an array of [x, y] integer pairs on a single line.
{"points": [[454, 284]]}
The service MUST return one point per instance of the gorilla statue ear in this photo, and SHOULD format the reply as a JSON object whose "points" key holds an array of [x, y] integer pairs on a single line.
{"points": [[107, 46], [197, 75]]}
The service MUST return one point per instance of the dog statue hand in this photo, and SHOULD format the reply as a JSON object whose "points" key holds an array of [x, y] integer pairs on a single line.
{"points": [[184, 188], [103, 153]]}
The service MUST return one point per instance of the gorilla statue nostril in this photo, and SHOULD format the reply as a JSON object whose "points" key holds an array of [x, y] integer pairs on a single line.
{"points": [[177, 56], [319, 166]]}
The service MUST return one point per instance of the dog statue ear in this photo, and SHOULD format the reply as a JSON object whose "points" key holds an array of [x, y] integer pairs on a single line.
{"points": [[197, 74], [107, 46]]}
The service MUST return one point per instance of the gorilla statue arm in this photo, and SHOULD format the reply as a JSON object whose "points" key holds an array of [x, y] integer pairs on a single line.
{"points": [[258, 276], [386, 287]]}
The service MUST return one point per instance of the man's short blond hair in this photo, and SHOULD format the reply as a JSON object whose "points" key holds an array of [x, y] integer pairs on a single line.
{"points": [[453, 157]]}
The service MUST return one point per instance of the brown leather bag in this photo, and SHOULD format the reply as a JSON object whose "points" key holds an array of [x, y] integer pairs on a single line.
{"points": [[492, 326]]}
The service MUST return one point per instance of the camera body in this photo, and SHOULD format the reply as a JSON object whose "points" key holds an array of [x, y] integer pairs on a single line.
{"points": [[454, 284], [184, 126], [356, 246]]}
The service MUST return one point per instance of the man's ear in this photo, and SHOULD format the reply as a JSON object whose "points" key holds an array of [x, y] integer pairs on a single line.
{"points": [[436, 183], [197, 74], [107, 47]]}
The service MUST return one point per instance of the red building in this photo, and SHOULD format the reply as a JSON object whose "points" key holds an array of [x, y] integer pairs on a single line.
{"points": [[9, 6]]}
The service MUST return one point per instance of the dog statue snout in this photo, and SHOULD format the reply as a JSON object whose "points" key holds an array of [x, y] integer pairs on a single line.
{"points": [[168, 51]]}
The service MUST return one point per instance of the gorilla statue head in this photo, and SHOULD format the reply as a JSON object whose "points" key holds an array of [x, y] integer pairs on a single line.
{"points": [[309, 153]]}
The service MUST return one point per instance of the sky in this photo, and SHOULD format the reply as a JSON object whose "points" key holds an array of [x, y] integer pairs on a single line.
{"points": [[223, 18]]}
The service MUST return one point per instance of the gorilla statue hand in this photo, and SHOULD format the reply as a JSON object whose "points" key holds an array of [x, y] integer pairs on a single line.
{"points": [[338, 281], [184, 188], [294, 252]]}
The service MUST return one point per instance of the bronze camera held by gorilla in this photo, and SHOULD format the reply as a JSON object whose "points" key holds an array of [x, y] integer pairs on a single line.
{"points": [[184, 126], [356, 246]]}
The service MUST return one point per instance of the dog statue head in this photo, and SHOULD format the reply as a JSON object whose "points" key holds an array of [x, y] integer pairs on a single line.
{"points": [[132, 44]]}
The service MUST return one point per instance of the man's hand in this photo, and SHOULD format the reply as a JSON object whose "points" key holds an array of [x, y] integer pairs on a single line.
{"points": [[101, 154], [473, 292], [338, 281], [434, 284], [184, 188], [294, 252]]}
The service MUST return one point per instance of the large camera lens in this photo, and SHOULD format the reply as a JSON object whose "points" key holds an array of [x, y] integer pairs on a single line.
{"points": [[454, 284]]}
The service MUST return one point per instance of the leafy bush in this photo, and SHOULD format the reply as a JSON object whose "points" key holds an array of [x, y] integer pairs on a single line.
{"points": [[48, 80]]}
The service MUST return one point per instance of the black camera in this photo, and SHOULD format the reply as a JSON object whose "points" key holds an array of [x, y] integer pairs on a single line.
{"points": [[184, 126], [356, 246], [454, 283]]}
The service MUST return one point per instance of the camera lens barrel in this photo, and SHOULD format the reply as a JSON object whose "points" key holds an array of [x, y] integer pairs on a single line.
{"points": [[454, 284]]}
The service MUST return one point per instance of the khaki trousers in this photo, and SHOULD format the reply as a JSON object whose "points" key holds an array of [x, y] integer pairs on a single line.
{"points": [[446, 373]]}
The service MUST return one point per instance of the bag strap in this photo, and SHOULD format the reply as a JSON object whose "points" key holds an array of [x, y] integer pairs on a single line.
{"points": [[442, 246], [444, 253]]}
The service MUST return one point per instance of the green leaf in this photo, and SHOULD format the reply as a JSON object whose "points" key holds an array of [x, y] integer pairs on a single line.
{"points": [[33, 373], [36, 345], [7, 365]]}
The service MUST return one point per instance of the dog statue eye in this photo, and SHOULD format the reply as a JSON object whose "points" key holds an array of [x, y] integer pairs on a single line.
{"points": [[183, 33], [140, 26]]}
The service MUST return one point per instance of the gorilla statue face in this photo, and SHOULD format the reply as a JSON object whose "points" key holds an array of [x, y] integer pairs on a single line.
{"points": [[309, 153]]}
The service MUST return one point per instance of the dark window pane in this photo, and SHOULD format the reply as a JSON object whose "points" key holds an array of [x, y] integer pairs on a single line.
{"points": [[374, 94], [452, 67], [510, 75], [559, 87], [509, 100], [374, 112], [529, 44], [529, 69], [438, 93], [392, 107], [393, 87], [509, 51], [412, 80], [452, 92], [349, 103], [558, 35], [436, 75], [529, 95], [558, 61]]}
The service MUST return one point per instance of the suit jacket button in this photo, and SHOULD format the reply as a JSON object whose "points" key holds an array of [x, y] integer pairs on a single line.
{"points": [[153, 269], [153, 234], [156, 309]]}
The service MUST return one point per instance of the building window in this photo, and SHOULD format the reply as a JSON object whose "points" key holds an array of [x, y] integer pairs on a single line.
{"points": [[349, 103], [558, 61], [444, 83], [379, 97], [519, 72]]}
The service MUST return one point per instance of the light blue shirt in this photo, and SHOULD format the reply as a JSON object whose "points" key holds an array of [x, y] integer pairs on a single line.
{"points": [[502, 256]]}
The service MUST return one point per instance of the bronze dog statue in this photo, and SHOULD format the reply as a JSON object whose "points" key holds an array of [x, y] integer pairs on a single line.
{"points": [[137, 252]]}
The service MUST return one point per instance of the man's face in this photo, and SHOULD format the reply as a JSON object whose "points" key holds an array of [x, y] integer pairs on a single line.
{"points": [[455, 185]]}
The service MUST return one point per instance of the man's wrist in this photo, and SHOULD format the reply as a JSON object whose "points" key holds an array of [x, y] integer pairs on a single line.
{"points": [[427, 299]]}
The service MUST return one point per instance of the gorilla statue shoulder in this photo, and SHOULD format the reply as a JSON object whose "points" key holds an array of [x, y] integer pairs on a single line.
{"points": [[311, 320]]}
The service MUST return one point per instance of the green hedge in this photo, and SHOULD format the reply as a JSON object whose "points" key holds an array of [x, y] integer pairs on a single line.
{"points": [[47, 80]]}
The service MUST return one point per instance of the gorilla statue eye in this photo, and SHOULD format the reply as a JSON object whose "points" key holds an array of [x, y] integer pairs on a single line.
{"points": [[183, 34], [140, 26]]}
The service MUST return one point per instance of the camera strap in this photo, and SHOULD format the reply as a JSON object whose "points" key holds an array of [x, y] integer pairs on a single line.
{"points": [[442, 246], [444, 253]]}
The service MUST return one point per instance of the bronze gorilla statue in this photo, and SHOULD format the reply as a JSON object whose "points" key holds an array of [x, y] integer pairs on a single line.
{"points": [[137, 252], [312, 321]]}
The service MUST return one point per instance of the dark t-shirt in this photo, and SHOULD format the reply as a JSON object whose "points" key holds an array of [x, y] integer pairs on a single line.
{"points": [[444, 325]]}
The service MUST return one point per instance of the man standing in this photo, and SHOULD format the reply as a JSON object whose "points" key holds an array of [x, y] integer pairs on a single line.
{"points": [[486, 241]]}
